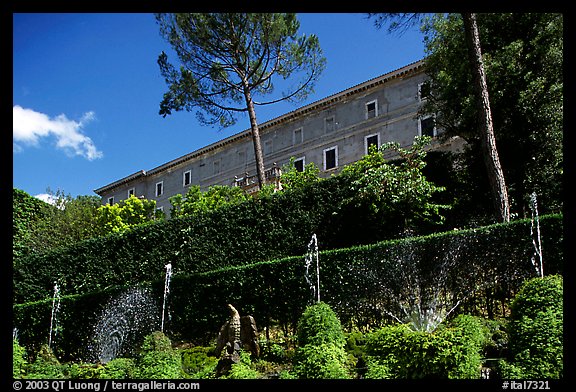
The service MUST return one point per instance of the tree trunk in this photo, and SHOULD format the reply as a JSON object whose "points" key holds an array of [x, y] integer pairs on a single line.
{"points": [[255, 136], [487, 139]]}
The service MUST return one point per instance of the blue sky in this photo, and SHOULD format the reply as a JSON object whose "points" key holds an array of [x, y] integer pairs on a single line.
{"points": [[87, 88]]}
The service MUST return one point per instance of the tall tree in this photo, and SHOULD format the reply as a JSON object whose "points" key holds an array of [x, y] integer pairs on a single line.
{"points": [[523, 63], [497, 182], [484, 112], [228, 62]]}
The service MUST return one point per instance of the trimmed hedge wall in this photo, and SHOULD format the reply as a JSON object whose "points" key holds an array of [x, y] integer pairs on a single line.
{"points": [[363, 284], [257, 230]]}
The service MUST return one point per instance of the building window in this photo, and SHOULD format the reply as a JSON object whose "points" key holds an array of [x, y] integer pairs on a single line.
{"points": [[267, 149], [331, 158], [329, 124], [371, 140], [424, 90], [427, 126], [298, 136], [159, 188], [299, 164], [131, 192], [111, 200], [187, 178], [372, 109]]}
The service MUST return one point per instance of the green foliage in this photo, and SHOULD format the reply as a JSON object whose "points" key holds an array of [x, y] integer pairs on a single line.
{"points": [[268, 46], [157, 359], [198, 363], [535, 330], [396, 189], [126, 214], [523, 64], [196, 202], [321, 343], [450, 352], [119, 368], [39, 226], [318, 325], [19, 361], [323, 361], [291, 178], [358, 281], [26, 212], [45, 366], [243, 369]]}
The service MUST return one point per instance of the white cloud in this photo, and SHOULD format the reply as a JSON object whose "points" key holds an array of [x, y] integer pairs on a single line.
{"points": [[30, 126]]}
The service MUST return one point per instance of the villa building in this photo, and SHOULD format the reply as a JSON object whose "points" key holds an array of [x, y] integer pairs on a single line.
{"points": [[332, 132]]}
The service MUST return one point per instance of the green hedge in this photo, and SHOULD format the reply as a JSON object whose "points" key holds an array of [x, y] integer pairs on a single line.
{"points": [[256, 230], [363, 284]]}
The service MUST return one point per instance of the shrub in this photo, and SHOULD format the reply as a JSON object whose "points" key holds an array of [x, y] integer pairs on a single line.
{"points": [[242, 370], [18, 359], [535, 331], [321, 353], [450, 352], [324, 360], [119, 368], [197, 362], [319, 325], [158, 360], [46, 365]]}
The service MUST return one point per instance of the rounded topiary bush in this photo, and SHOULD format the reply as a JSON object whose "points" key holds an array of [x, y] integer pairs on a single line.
{"points": [[322, 361], [535, 330], [452, 351], [319, 325], [321, 344], [158, 360]]}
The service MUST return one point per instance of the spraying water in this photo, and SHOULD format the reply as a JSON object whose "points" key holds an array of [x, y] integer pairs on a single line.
{"points": [[312, 255], [53, 318], [125, 320], [166, 292], [538, 264]]}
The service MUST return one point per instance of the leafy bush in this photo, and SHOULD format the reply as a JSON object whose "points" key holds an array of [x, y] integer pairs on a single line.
{"points": [[449, 352], [242, 370], [324, 360], [198, 363], [119, 368], [45, 366], [319, 325], [19, 361], [158, 360], [536, 330], [321, 342]]}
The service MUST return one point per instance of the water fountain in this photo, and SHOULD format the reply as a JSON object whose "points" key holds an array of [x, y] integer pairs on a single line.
{"points": [[312, 255], [125, 320], [54, 316], [166, 292], [536, 241]]}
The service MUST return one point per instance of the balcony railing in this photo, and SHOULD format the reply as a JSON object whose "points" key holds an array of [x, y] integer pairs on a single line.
{"points": [[249, 183]]}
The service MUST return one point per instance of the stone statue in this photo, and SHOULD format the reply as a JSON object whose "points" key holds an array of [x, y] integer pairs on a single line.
{"points": [[236, 333]]}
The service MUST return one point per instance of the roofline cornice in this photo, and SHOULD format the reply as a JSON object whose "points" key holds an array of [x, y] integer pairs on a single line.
{"points": [[312, 107]]}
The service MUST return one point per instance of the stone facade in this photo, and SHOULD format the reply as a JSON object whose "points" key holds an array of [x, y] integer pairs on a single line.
{"points": [[332, 132]]}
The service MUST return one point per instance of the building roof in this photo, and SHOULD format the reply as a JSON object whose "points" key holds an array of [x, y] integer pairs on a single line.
{"points": [[314, 106]]}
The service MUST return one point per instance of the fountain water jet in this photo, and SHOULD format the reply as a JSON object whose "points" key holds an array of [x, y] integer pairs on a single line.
{"points": [[538, 265], [54, 316], [166, 292], [125, 320], [309, 258]]}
